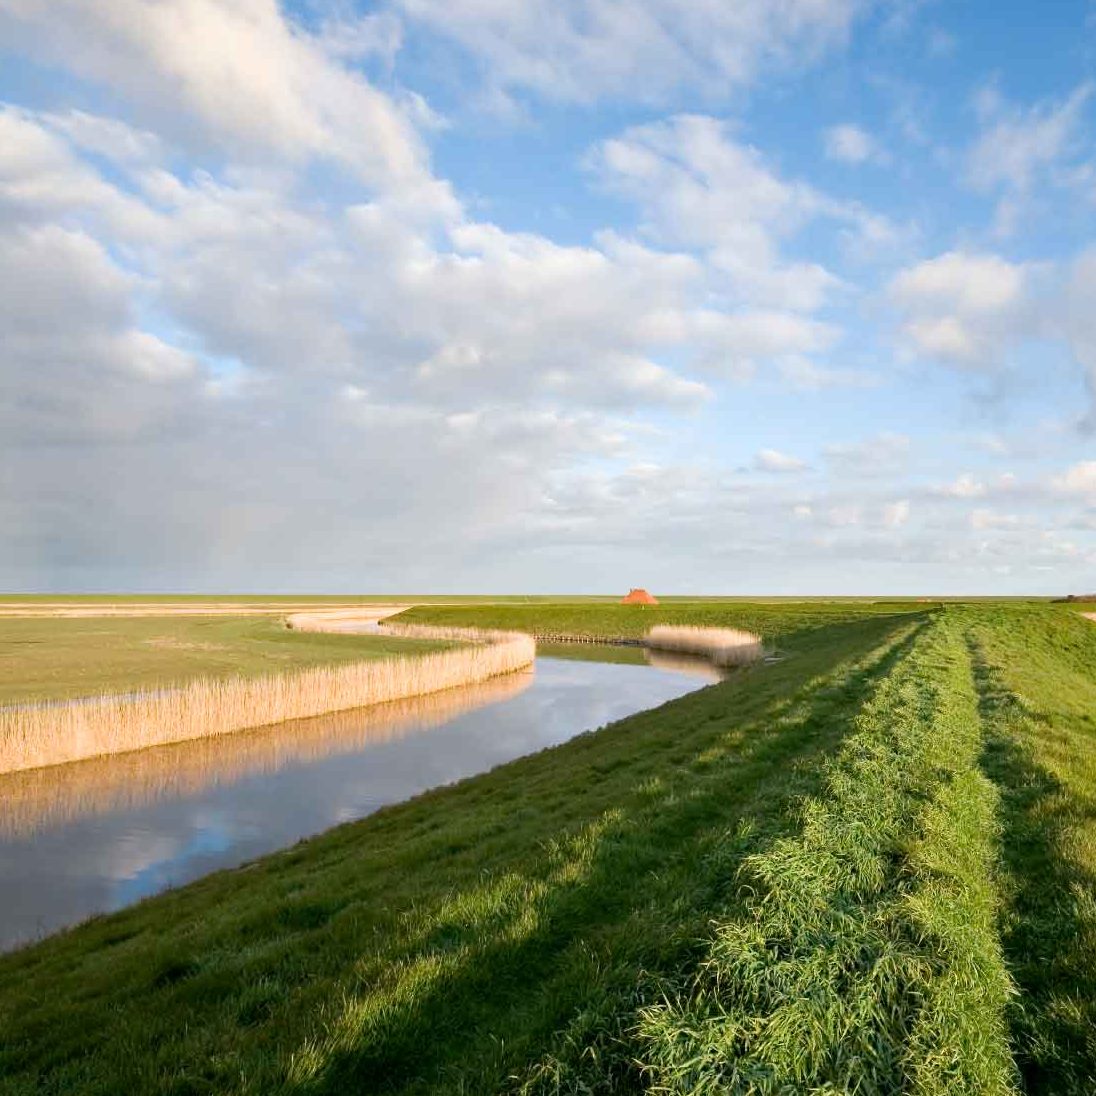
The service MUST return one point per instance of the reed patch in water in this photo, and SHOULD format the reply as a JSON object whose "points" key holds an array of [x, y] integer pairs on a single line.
{"points": [[35, 735], [40, 799], [723, 646]]}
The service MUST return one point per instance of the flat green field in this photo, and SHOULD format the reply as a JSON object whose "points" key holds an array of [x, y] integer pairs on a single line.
{"points": [[51, 658], [869, 867], [771, 619]]}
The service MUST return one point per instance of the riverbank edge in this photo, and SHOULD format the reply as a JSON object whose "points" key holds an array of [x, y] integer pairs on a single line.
{"points": [[37, 736]]}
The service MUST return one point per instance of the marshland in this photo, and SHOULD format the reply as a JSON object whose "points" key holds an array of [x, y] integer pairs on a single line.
{"points": [[864, 864]]}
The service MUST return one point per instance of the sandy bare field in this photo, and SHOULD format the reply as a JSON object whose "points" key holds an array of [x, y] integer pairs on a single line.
{"points": [[191, 608], [363, 618]]}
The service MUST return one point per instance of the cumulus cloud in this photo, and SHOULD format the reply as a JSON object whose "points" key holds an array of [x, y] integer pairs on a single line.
{"points": [[896, 514], [984, 518], [773, 460], [964, 486], [1080, 479], [701, 189], [961, 308], [849, 144], [269, 86], [238, 368], [646, 49], [1080, 320], [877, 455], [1019, 146]]}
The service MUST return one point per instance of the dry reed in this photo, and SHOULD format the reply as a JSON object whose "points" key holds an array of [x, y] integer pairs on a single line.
{"points": [[39, 799], [35, 735], [723, 646]]}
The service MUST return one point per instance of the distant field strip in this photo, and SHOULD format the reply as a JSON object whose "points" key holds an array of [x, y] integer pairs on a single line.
{"points": [[34, 735]]}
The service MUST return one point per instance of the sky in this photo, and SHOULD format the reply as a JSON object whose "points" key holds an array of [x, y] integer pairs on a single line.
{"points": [[764, 297]]}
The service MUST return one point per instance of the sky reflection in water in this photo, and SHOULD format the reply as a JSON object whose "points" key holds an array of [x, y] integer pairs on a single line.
{"points": [[98, 835]]}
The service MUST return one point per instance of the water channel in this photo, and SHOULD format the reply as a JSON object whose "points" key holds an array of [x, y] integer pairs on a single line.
{"points": [[94, 836]]}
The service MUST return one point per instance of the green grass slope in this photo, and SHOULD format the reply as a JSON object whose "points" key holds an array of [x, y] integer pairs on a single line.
{"points": [[451, 943], [869, 867], [1037, 680]]}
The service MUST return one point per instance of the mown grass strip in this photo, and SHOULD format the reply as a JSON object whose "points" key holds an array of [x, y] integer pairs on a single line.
{"points": [[1038, 694], [869, 959]]}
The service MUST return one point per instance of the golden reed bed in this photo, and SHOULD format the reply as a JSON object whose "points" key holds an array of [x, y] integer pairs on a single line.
{"points": [[32, 736], [723, 646], [38, 799]]}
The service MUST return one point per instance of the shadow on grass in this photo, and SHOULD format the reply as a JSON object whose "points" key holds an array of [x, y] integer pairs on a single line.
{"points": [[474, 934], [621, 902], [1047, 943]]}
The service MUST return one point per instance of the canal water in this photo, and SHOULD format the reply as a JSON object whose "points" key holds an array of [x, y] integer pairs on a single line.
{"points": [[94, 836]]}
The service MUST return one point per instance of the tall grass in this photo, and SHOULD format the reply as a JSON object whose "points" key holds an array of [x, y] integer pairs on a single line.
{"points": [[723, 646], [49, 734], [869, 960]]}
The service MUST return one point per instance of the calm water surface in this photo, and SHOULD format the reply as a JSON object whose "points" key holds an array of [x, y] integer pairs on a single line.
{"points": [[94, 836]]}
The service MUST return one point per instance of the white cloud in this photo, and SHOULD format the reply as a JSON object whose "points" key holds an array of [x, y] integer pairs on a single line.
{"points": [[1017, 143], [1080, 479], [310, 369], [961, 308], [976, 284], [1018, 146], [896, 514], [76, 365], [984, 518], [849, 144], [964, 487], [580, 50], [740, 342], [843, 516], [266, 86], [877, 455], [107, 137], [1080, 319], [699, 188], [772, 460]]}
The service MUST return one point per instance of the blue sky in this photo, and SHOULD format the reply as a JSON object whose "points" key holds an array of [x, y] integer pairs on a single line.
{"points": [[780, 296]]}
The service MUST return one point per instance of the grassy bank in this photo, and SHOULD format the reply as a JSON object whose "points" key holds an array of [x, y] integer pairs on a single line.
{"points": [[53, 659], [868, 957], [458, 942], [869, 867], [1037, 682]]}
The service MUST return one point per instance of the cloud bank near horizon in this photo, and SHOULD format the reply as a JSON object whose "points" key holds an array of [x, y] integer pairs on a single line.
{"points": [[537, 296]]}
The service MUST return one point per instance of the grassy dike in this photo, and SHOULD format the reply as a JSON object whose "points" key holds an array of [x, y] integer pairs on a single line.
{"points": [[868, 957], [1036, 673], [452, 943], [869, 867]]}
